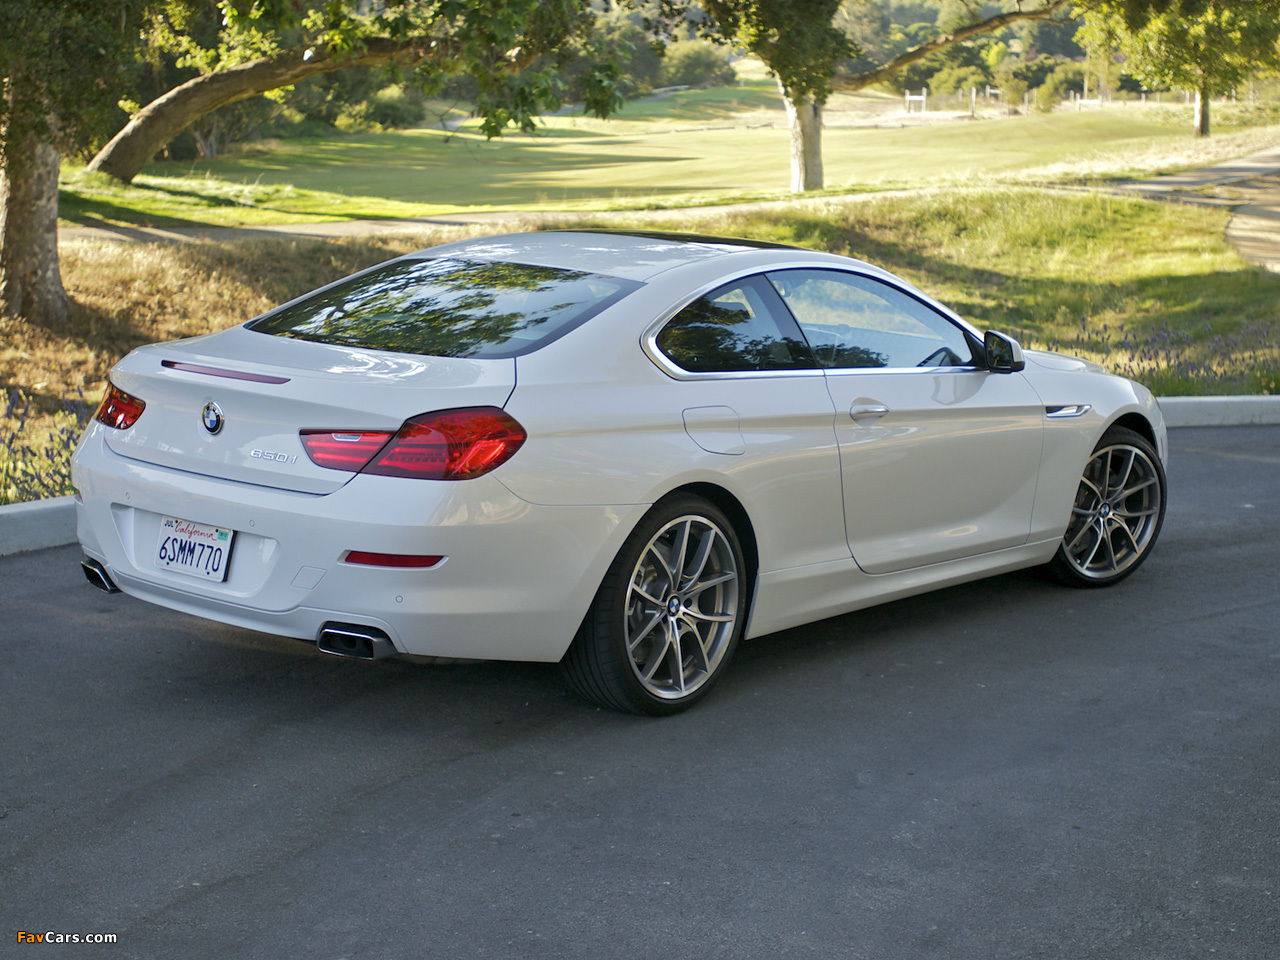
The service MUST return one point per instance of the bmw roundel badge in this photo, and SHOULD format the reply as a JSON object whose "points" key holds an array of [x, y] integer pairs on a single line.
{"points": [[212, 417]]}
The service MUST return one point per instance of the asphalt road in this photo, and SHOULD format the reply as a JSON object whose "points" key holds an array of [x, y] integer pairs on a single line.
{"points": [[1008, 769]]}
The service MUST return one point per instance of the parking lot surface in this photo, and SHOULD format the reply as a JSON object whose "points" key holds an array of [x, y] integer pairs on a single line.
{"points": [[1008, 769]]}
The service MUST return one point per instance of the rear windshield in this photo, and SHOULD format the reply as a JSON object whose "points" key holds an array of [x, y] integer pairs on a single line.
{"points": [[448, 308]]}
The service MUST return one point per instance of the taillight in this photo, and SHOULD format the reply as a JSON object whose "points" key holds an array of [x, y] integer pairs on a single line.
{"points": [[342, 451], [119, 409], [447, 445]]}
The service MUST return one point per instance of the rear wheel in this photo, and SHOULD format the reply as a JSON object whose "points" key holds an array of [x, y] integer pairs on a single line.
{"points": [[1117, 514], [667, 618]]}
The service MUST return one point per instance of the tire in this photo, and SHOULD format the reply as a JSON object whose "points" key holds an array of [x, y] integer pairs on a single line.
{"points": [[1117, 513], [668, 615]]}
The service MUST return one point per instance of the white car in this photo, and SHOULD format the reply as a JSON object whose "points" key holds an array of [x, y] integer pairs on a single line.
{"points": [[622, 451]]}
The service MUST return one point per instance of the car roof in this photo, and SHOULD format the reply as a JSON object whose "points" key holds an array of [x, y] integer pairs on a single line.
{"points": [[630, 254]]}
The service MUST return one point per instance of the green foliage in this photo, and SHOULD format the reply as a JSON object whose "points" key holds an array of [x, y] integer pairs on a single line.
{"points": [[957, 79], [795, 38], [46, 94], [1133, 15], [695, 63], [1057, 86], [951, 68], [637, 54], [1013, 86], [870, 27], [906, 12], [510, 51], [1054, 38], [1209, 45], [994, 54]]}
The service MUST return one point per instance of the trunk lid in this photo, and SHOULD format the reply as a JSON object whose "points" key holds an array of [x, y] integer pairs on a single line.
{"points": [[268, 388]]}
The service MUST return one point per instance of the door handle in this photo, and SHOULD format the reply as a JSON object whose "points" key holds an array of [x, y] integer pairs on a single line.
{"points": [[868, 411]]}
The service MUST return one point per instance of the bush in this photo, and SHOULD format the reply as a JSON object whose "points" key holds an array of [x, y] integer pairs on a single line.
{"points": [[393, 106], [953, 79], [389, 108], [1057, 86], [695, 63]]}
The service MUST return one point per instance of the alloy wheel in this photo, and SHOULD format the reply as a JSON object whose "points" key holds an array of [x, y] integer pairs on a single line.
{"points": [[1116, 513], [681, 606]]}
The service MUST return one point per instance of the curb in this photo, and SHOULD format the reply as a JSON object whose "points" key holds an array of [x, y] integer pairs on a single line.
{"points": [[1219, 411], [52, 523], [37, 524]]}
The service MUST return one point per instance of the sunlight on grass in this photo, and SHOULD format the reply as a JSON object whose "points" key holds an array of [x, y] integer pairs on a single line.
{"points": [[696, 147]]}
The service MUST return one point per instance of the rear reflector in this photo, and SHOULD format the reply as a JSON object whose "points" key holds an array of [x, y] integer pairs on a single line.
{"points": [[119, 409], [390, 559], [447, 445]]}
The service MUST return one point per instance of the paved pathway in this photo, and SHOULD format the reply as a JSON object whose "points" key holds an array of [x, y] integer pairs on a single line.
{"points": [[1249, 184]]}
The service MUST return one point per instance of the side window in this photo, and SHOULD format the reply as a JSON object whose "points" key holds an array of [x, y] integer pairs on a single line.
{"points": [[855, 321], [739, 327]]}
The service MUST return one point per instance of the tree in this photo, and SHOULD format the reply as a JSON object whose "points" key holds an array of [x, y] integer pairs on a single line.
{"points": [[507, 46], [799, 43], [47, 108], [63, 67], [1210, 50]]}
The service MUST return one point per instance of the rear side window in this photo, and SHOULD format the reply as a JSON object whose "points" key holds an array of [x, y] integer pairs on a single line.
{"points": [[449, 308], [739, 327]]}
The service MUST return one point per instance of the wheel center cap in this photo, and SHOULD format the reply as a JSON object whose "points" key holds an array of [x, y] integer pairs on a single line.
{"points": [[1104, 511], [673, 606]]}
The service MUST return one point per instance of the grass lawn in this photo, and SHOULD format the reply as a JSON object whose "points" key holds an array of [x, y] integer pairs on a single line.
{"points": [[695, 147]]}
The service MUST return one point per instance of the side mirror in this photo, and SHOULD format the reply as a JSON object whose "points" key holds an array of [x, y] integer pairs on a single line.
{"points": [[1003, 353]]}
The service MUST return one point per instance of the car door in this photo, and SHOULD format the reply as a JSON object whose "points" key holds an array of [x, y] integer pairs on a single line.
{"points": [[939, 456], [751, 393]]}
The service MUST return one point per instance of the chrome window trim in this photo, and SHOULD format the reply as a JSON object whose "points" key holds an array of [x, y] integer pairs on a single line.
{"points": [[649, 338]]}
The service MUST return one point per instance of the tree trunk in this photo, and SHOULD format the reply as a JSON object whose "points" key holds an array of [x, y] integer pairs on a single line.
{"points": [[207, 141], [1202, 112], [804, 115], [30, 283], [167, 116]]}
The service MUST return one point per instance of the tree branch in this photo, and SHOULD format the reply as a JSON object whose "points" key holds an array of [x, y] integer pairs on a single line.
{"points": [[850, 82], [167, 116]]}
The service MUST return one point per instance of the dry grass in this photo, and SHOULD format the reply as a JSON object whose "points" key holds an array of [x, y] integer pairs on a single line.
{"points": [[126, 295]]}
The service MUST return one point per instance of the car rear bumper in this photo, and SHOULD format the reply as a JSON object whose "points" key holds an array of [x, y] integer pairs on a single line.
{"points": [[516, 580]]}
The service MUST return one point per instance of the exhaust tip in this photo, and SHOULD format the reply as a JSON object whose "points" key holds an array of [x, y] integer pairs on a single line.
{"points": [[355, 641], [97, 575]]}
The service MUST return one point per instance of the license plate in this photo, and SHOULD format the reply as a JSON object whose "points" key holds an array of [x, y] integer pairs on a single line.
{"points": [[195, 549]]}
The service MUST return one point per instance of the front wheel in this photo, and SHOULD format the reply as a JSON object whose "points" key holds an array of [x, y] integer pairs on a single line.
{"points": [[668, 614], [1117, 513]]}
